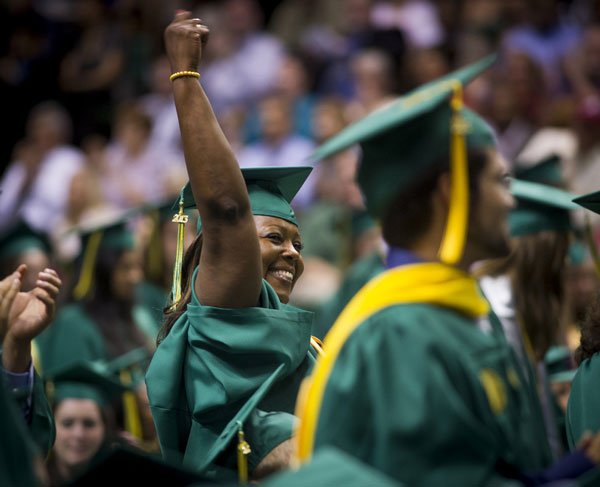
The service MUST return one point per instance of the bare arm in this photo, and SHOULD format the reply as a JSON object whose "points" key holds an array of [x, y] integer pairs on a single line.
{"points": [[230, 268]]}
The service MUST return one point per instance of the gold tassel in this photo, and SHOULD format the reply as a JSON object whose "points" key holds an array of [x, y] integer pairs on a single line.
{"points": [[589, 237], [87, 266], [133, 423], [453, 242], [243, 450], [181, 219]]}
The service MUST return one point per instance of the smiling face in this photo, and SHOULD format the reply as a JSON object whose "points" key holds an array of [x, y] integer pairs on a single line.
{"points": [[80, 431], [280, 247]]}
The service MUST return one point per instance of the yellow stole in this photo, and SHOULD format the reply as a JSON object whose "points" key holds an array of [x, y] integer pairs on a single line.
{"points": [[432, 283]]}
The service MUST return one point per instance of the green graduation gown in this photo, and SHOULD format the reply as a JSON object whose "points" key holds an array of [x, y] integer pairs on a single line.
{"points": [[331, 467], [419, 410], [583, 409], [531, 420], [219, 369], [74, 336], [412, 387], [42, 425], [153, 299], [16, 448], [359, 273]]}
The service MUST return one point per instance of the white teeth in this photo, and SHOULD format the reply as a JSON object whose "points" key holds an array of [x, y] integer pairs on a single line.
{"points": [[284, 274]]}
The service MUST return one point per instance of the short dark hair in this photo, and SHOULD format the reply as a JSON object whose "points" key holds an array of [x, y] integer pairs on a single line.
{"points": [[409, 215]]}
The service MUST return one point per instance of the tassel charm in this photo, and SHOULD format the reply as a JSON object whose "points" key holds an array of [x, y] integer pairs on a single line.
{"points": [[181, 219], [243, 450]]}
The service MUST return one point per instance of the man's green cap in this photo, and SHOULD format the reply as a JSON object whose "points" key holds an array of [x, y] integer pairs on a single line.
{"points": [[270, 189], [590, 201], [547, 171], [399, 142], [559, 364], [20, 239], [84, 380], [539, 208]]}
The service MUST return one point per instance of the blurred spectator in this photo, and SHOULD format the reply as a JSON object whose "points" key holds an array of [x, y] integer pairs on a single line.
{"points": [[547, 38], [506, 115], [278, 146], [137, 172], [372, 74], [27, 72], [418, 19], [248, 60], [159, 106], [332, 46], [88, 71], [585, 172], [422, 66], [291, 19], [36, 184], [329, 118], [584, 66], [85, 201], [293, 82]]}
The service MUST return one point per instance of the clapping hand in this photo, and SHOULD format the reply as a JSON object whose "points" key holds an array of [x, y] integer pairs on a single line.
{"points": [[24, 315]]}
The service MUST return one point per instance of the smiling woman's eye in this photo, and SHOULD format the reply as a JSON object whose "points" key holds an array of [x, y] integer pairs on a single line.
{"points": [[275, 237], [298, 246]]}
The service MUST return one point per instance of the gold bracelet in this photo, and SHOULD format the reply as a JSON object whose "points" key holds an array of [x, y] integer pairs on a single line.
{"points": [[180, 74]]}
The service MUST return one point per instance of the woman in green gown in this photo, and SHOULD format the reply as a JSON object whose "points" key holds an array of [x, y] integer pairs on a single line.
{"points": [[223, 381]]}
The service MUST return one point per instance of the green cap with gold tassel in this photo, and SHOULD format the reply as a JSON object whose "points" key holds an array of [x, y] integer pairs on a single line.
{"points": [[109, 232], [402, 140]]}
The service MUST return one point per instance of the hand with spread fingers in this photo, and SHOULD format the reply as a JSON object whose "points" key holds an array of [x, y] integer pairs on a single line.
{"points": [[184, 39], [27, 316], [9, 288]]}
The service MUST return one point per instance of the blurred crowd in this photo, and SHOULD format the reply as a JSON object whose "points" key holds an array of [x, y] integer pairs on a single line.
{"points": [[93, 125], [92, 130]]}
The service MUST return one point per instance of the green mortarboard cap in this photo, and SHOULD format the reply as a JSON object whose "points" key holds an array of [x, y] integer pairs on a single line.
{"points": [[128, 467], [21, 238], [547, 171], [270, 189], [108, 232], [590, 201], [559, 365], [112, 230], [539, 208], [401, 140], [84, 380]]}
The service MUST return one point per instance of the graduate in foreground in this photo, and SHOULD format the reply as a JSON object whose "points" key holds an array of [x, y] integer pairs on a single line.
{"points": [[409, 384], [223, 381]]}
